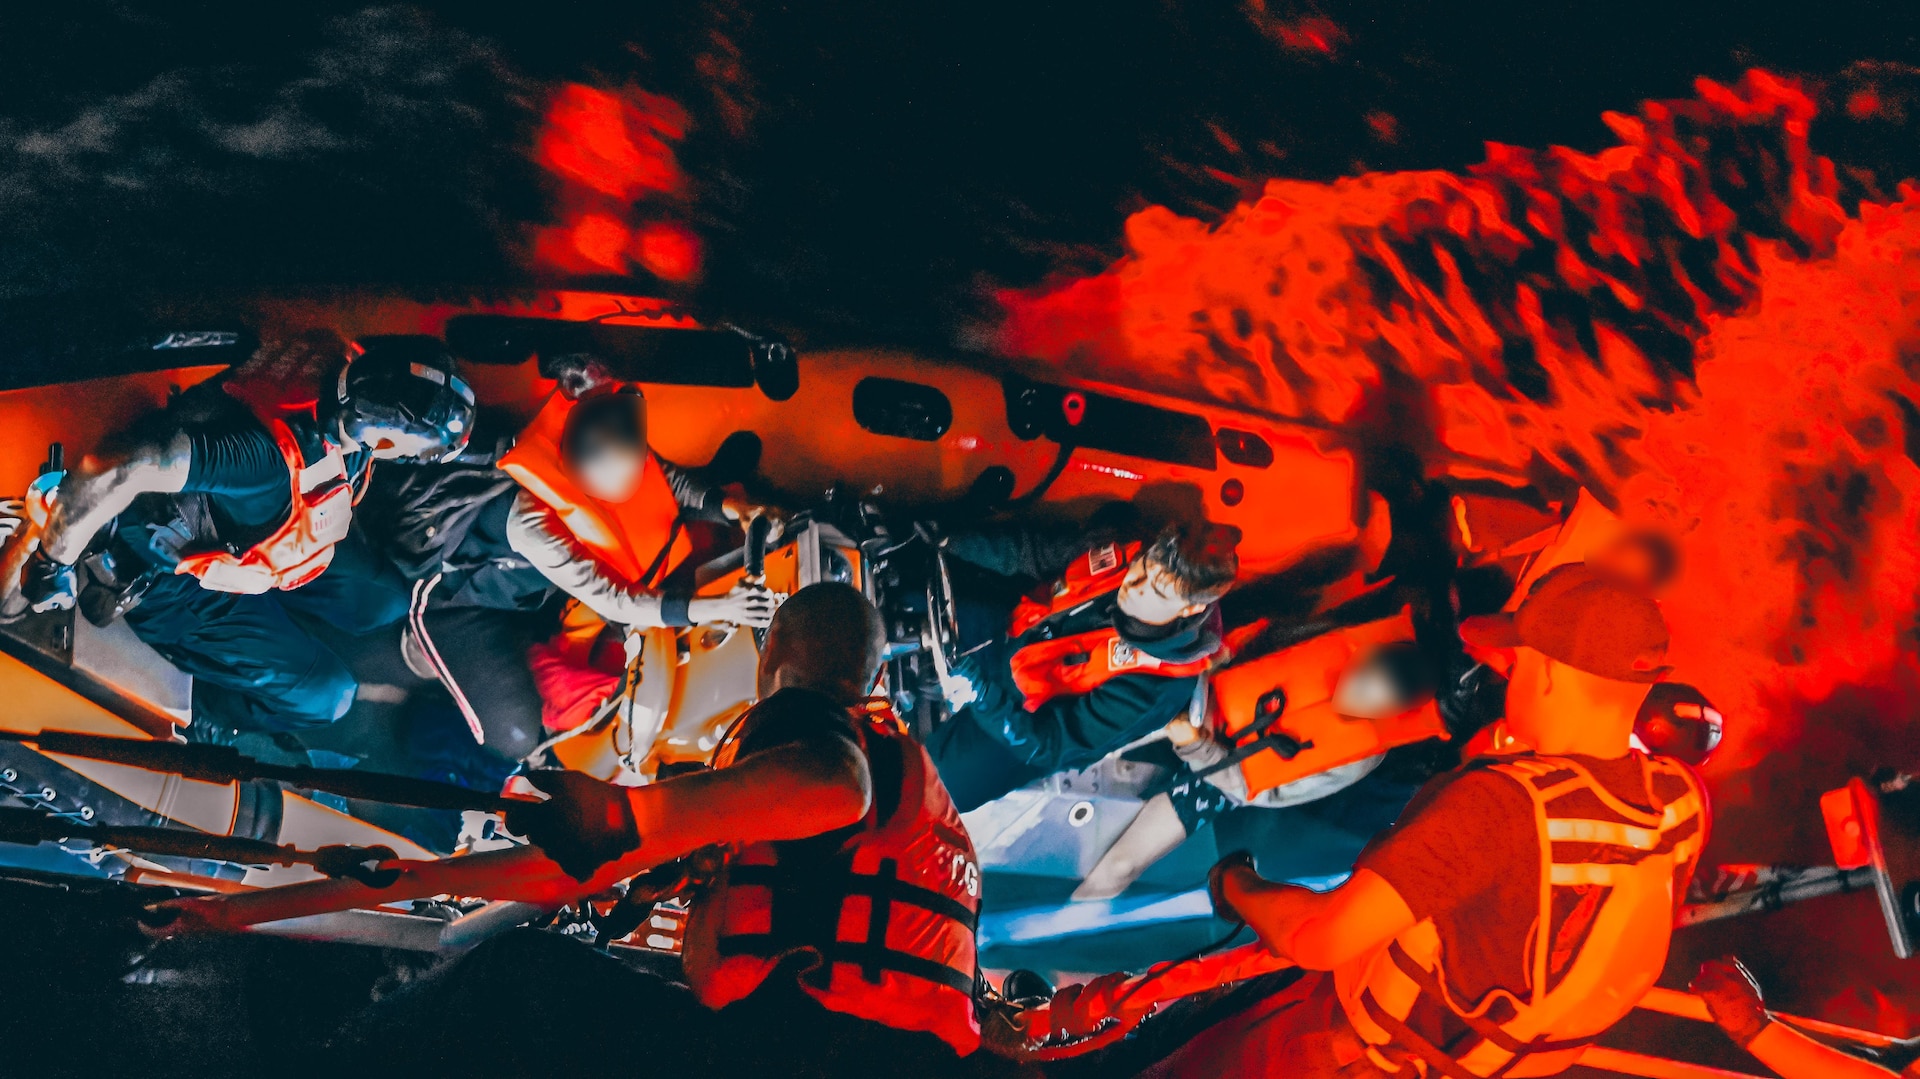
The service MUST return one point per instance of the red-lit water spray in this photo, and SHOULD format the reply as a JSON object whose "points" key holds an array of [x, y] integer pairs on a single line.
{"points": [[611, 153], [1687, 323]]}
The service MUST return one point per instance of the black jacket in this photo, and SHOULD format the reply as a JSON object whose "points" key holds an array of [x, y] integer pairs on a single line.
{"points": [[1075, 731]]}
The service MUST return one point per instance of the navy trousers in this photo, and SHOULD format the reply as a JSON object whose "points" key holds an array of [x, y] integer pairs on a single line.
{"points": [[254, 665]]}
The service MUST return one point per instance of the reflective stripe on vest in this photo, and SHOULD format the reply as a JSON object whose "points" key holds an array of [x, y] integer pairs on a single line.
{"points": [[882, 929], [1574, 993], [640, 539], [1278, 709], [302, 547]]}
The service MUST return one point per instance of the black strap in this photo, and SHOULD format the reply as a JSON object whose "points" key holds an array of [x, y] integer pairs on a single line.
{"points": [[873, 960], [879, 914], [885, 886], [1266, 735], [806, 915], [1405, 1037], [1430, 986], [660, 560]]}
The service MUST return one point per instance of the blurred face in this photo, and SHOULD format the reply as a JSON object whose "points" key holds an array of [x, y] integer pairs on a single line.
{"points": [[1150, 596], [1640, 557], [1368, 691], [609, 473]]}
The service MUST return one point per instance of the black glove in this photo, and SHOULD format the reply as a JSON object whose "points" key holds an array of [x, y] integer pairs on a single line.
{"points": [[1216, 876], [47, 585], [1733, 999], [583, 824]]}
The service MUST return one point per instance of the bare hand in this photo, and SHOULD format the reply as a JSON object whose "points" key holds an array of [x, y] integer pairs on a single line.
{"points": [[747, 605], [583, 824], [1182, 733]]}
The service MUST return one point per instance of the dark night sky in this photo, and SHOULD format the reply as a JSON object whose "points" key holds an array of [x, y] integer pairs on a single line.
{"points": [[863, 170]]}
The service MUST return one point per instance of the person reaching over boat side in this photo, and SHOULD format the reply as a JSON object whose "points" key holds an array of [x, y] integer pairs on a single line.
{"points": [[1106, 654], [837, 932], [1733, 1000], [212, 525], [1520, 907]]}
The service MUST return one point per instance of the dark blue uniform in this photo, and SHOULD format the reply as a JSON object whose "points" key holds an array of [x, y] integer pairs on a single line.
{"points": [[254, 664]]}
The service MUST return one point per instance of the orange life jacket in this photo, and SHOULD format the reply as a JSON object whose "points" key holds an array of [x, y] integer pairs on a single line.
{"points": [[1278, 709], [302, 547], [1577, 988], [887, 921], [1069, 666], [639, 539]]}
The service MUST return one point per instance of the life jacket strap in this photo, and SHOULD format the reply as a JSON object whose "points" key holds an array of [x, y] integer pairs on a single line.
{"points": [[660, 560], [872, 959], [1405, 1037], [814, 925], [1482, 1027], [1265, 734], [883, 888]]}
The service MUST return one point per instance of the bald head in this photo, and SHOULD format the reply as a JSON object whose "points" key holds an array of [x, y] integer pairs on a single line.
{"points": [[825, 637]]}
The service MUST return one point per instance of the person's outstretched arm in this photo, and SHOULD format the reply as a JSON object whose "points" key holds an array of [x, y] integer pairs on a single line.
{"points": [[100, 488], [1793, 1055], [792, 790], [536, 533], [1316, 930], [1733, 999]]}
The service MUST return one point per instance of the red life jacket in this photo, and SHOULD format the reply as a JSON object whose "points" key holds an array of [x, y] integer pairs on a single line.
{"points": [[887, 919], [1070, 666], [302, 547], [640, 539]]}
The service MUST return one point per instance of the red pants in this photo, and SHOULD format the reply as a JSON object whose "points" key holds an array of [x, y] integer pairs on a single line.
{"points": [[1298, 1033]]}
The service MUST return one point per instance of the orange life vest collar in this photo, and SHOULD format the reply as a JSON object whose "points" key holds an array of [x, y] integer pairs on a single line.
{"points": [[1087, 578], [302, 547], [894, 941], [640, 539]]}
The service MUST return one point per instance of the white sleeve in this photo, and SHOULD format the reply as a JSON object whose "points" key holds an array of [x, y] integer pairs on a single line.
{"points": [[1314, 787], [535, 532]]}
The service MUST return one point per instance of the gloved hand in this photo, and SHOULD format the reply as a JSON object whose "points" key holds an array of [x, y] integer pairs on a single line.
{"points": [[958, 689], [1733, 999], [47, 585], [1216, 877], [970, 680], [1081, 1011], [583, 824]]}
